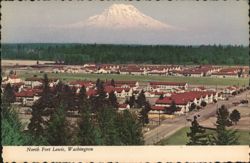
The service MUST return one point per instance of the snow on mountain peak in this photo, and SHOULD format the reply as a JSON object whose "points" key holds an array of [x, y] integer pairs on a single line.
{"points": [[123, 16]]}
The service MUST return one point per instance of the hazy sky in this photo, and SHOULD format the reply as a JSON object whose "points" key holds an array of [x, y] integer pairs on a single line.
{"points": [[201, 22]]}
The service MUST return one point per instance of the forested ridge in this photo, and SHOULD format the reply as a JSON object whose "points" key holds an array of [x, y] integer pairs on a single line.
{"points": [[105, 53]]}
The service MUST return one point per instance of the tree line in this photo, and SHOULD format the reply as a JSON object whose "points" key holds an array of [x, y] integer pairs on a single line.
{"points": [[97, 122], [123, 54]]}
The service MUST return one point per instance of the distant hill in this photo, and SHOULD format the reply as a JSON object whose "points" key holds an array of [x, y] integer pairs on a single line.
{"points": [[101, 53]]}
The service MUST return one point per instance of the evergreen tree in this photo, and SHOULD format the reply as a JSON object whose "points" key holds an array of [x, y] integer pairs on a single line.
{"points": [[113, 99], [173, 108], [197, 135], [67, 99], [143, 114], [82, 99], [192, 107], [112, 82], [98, 82], [88, 133], [57, 130], [100, 101], [203, 103], [161, 97], [224, 136], [141, 99], [222, 118], [42, 107], [37, 122], [8, 95], [235, 116], [109, 131], [129, 128], [12, 129], [47, 98], [132, 101]]}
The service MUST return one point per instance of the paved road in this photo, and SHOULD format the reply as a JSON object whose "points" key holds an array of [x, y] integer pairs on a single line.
{"points": [[170, 126]]}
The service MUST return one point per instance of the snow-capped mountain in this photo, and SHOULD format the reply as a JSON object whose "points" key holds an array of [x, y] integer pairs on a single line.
{"points": [[122, 16]]}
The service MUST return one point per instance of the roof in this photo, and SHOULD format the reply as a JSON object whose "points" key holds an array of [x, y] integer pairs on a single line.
{"points": [[28, 93], [184, 98], [91, 92], [157, 108], [122, 105]]}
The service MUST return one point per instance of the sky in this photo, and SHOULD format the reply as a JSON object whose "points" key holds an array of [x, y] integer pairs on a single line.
{"points": [[195, 23]]}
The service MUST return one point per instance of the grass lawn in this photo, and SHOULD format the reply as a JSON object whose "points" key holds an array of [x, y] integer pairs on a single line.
{"points": [[180, 138], [142, 78]]}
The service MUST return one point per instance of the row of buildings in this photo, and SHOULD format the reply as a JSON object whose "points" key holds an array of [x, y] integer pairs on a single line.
{"points": [[160, 94], [159, 70], [142, 69]]}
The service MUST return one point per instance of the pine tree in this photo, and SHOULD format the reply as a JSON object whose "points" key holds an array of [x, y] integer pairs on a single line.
{"points": [[88, 133], [57, 130], [109, 131], [223, 135], [141, 99], [235, 116], [47, 98], [192, 107], [98, 82], [112, 82], [67, 98], [143, 114], [197, 134], [113, 99], [161, 97], [83, 101], [132, 101], [37, 122], [42, 107], [129, 128], [203, 103], [100, 101], [8, 95], [11, 129], [173, 107]]}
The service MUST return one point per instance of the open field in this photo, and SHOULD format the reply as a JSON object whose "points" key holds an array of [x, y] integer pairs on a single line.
{"points": [[22, 62], [180, 138], [141, 78]]}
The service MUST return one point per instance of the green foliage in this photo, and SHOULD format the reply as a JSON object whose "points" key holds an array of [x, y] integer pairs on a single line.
{"points": [[143, 114], [112, 82], [157, 54], [113, 99], [42, 107], [203, 103], [37, 123], [130, 129], [12, 129], [197, 134], [222, 118], [141, 99], [88, 132], [8, 95], [82, 102], [131, 101], [192, 107], [223, 135], [57, 130], [235, 116], [109, 131]]}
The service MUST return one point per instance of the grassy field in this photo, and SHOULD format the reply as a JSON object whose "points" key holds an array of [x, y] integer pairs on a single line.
{"points": [[180, 138], [142, 78]]}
